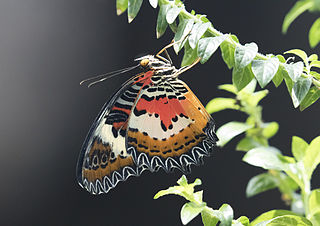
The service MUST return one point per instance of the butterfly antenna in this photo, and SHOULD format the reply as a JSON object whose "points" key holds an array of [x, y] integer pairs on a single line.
{"points": [[106, 76]]}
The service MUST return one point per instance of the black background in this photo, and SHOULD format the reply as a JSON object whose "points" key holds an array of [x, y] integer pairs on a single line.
{"points": [[47, 47]]}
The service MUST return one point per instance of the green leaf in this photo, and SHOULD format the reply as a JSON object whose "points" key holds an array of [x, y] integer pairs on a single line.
{"points": [[300, 90], [260, 183], [244, 55], [209, 217], [315, 219], [295, 11], [220, 103], [291, 220], [228, 131], [270, 129], [162, 21], [189, 211], [315, 63], [314, 201], [300, 53], [226, 215], [172, 14], [313, 57], [294, 70], [278, 77], [228, 87], [133, 9], [122, 6], [298, 147], [190, 55], [247, 143], [241, 77], [311, 97], [264, 70], [270, 215], [314, 34], [244, 220], [266, 157], [184, 28], [312, 156], [197, 31], [207, 46], [227, 51], [153, 3]]}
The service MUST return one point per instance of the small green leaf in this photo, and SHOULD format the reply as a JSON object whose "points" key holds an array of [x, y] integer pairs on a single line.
{"points": [[184, 28], [227, 51], [247, 143], [298, 147], [312, 156], [311, 97], [244, 220], [314, 201], [295, 11], [315, 63], [300, 53], [260, 183], [162, 21], [190, 55], [241, 77], [197, 31], [315, 219], [220, 103], [209, 217], [300, 90], [183, 181], [266, 157], [207, 46], [226, 215], [278, 77], [270, 129], [228, 131], [313, 57], [228, 87], [189, 211], [122, 6], [270, 215], [153, 3], [264, 70], [254, 98], [314, 34], [133, 9], [244, 55], [291, 220], [172, 14], [294, 70]]}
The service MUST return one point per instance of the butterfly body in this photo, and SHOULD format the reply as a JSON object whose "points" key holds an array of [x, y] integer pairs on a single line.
{"points": [[154, 121]]}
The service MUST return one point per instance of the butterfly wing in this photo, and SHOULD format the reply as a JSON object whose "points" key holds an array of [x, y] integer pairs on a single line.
{"points": [[104, 160], [169, 128]]}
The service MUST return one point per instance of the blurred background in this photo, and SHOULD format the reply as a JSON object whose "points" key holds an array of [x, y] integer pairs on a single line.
{"points": [[48, 47]]}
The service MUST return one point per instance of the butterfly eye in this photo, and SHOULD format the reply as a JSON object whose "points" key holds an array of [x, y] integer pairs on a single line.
{"points": [[144, 62]]}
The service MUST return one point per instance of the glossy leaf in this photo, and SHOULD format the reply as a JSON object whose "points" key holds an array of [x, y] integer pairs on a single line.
{"points": [[190, 55], [278, 77], [256, 97], [298, 147], [122, 6], [270, 129], [226, 215], [228, 131], [312, 156], [228, 87], [244, 55], [265, 70], [313, 57], [244, 220], [162, 21], [270, 215], [172, 14], [300, 53], [241, 77], [153, 3], [295, 11], [314, 33], [227, 51], [184, 28], [311, 97], [314, 202], [291, 220], [189, 211], [300, 90], [315, 63], [315, 219], [294, 70], [207, 46], [220, 103], [266, 157], [197, 31], [209, 217], [247, 143], [133, 9], [260, 183]]}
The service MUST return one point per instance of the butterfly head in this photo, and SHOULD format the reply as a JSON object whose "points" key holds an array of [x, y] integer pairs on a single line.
{"points": [[150, 62]]}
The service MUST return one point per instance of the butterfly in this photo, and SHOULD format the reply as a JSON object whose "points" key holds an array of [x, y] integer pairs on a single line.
{"points": [[154, 121]]}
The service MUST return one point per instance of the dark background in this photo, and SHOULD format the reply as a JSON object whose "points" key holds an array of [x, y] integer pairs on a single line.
{"points": [[47, 47]]}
